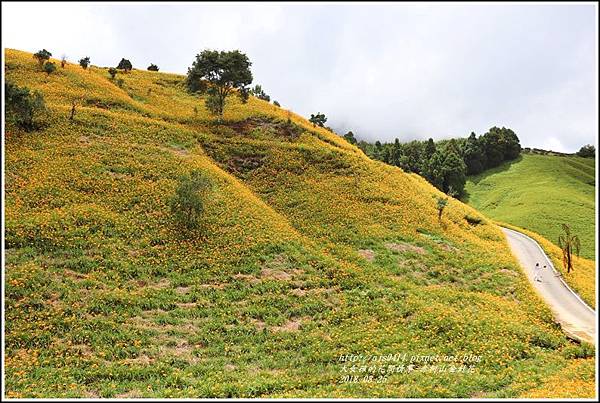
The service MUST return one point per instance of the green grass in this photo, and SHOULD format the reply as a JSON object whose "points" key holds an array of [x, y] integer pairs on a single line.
{"points": [[539, 193]]}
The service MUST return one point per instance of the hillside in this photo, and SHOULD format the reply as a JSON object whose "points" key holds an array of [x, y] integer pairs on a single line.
{"points": [[539, 192], [308, 251]]}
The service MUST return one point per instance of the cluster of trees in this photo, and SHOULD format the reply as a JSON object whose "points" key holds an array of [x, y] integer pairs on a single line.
{"points": [[446, 163], [587, 151], [43, 59]]}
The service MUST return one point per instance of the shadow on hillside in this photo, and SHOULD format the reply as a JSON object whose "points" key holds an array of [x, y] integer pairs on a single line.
{"points": [[487, 173]]}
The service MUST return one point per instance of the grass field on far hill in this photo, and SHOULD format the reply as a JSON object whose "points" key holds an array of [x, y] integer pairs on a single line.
{"points": [[538, 193], [307, 251]]}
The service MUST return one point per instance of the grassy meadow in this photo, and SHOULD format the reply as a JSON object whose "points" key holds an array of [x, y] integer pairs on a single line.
{"points": [[308, 251], [539, 193]]}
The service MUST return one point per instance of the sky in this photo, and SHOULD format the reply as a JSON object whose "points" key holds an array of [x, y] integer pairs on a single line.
{"points": [[384, 71]]}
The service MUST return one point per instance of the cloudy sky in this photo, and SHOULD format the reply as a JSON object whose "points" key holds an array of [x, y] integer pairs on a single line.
{"points": [[382, 70]]}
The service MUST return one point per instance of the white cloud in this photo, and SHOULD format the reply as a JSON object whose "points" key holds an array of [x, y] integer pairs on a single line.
{"points": [[382, 70]]}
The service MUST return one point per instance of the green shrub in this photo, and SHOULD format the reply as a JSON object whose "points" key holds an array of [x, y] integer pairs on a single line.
{"points": [[584, 350], [187, 204], [113, 72], [152, 67], [125, 65], [441, 205], [84, 62], [42, 57], [22, 105], [49, 68], [473, 220]]}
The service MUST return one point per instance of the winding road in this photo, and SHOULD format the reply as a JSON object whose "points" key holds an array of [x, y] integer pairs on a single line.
{"points": [[577, 319]]}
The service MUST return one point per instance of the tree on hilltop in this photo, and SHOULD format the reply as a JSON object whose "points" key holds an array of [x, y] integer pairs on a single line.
{"points": [[42, 56], [350, 137], [219, 73], [587, 151], [84, 62], [318, 120], [259, 93], [125, 65]]}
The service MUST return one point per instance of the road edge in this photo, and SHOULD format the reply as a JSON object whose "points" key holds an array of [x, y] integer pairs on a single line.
{"points": [[553, 268]]}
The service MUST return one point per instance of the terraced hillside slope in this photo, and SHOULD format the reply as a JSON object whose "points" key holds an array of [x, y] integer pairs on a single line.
{"points": [[308, 252]]}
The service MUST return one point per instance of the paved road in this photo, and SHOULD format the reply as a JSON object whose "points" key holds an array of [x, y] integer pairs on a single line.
{"points": [[577, 319]]}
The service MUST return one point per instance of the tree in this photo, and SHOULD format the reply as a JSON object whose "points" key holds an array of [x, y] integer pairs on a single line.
{"points": [[74, 102], [42, 56], [49, 68], [84, 62], [569, 244], [125, 65], [474, 155], [63, 61], [350, 137], [511, 147], [152, 67], [429, 150], [22, 105], [454, 174], [318, 120], [441, 204], [223, 71], [434, 170], [378, 151], [243, 94], [187, 204], [276, 104], [587, 151], [259, 93], [492, 147], [411, 157], [396, 153], [113, 72]]}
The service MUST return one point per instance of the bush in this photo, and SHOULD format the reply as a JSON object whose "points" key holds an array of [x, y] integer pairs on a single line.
{"points": [[84, 62], [276, 104], [584, 350], [42, 56], [113, 72], [22, 106], [214, 105], [473, 220], [243, 94], [125, 65], [152, 67], [49, 68], [259, 93], [187, 204], [120, 82], [318, 120]]}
